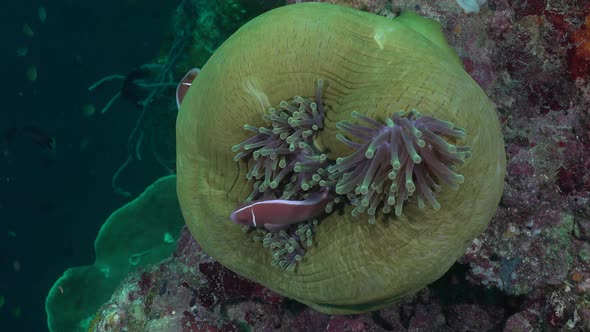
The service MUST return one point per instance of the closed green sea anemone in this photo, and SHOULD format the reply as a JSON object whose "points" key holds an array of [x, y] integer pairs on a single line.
{"points": [[376, 73]]}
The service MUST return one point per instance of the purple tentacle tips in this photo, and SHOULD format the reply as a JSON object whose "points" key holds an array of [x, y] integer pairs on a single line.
{"points": [[408, 156], [284, 166], [283, 161]]}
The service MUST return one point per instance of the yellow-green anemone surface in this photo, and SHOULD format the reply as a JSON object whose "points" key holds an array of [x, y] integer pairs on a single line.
{"points": [[375, 66]]}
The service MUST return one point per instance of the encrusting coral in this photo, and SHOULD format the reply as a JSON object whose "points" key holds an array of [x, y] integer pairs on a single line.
{"points": [[368, 64]]}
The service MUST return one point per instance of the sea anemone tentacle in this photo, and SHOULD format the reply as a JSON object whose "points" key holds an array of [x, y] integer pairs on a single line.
{"points": [[282, 159], [286, 169], [410, 155]]}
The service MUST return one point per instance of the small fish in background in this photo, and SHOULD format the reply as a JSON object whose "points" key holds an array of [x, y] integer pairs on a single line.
{"points": [[41, 138], [28, 31], [22, 51], [42, 13], [48, 147], [31, 73], [88, 110]]}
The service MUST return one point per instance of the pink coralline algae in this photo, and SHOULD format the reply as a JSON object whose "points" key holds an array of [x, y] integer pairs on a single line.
{"points": [[190, 292], [186, 293], [529, 271], [538, 239]]}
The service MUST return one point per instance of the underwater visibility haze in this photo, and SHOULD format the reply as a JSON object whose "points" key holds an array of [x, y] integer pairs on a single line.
{"points": [[272, 165]]}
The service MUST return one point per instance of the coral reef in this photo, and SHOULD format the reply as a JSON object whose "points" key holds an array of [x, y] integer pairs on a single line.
{"points": [[530, 58], [191, 292], [140, 233], [351, 267], [529, 270]]}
